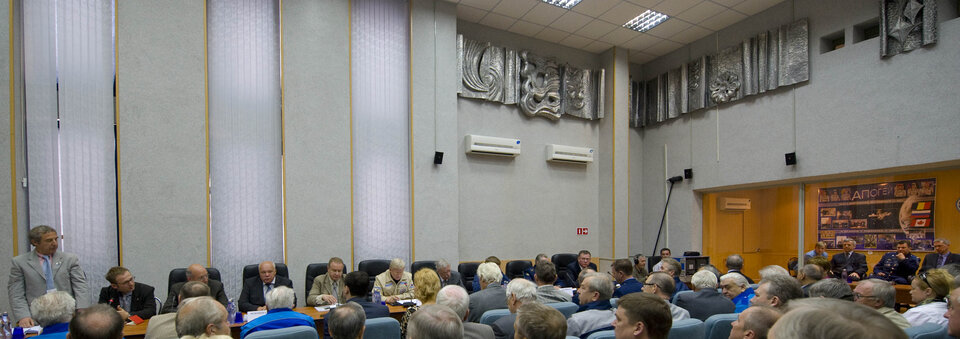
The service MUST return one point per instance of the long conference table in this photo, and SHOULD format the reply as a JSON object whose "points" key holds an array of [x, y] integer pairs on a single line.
{"points": [[139, 330]]}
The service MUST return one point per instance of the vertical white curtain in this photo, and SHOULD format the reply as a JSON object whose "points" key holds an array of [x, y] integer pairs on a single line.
{"points": [[380, 72], [72, 169], [246, 207]]}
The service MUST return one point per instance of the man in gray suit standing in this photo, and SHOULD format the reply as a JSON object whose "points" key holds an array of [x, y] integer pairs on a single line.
{"points": [[44, 270]]}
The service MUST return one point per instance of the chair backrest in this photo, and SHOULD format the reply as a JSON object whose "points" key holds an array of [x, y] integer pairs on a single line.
{"points": [[253, 270], [754, 286], [673, 300], [491, 316], [605, 334], [373, 267], [515, 268], [561, 260], [926, 331], [384, 327], [468, 270], [566, 308], [314, 270], [417, 265], [294, 332], [718, 326], [178, 275], [614, 301], [159, 304], [686, 328]]}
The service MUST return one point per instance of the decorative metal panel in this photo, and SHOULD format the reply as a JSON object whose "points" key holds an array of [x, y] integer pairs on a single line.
{"points": [[481, 69], [539, 86], [794, 66], [906, 25], [581, 90]]}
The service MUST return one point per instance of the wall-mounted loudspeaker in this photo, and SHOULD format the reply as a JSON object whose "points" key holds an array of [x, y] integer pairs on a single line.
{"points": [[437, 158], [688, 173], [790, 158]]}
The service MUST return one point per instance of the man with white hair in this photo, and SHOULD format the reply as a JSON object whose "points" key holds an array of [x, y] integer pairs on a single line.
{"points": [[53, 312], [435, 322], [448, 276], [734, 286], [595, 310], [808, 275], [706, 301], [661, 285], [202, 317], [255, 289], [769, 270], [456, 298], [519, 292], [880, 295], [853, 263], [491, 296], [822, 318], [754, 322], [395, 283], [280, 314]]}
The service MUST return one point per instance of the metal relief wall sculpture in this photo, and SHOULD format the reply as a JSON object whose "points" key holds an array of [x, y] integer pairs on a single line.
{"points": [[906, 25], [538, 85], [765, 62]]}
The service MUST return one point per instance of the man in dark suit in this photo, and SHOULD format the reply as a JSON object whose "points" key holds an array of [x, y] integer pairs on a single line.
{"points": [[519, 292], [195, 272], [357, 284], [940, 257], [706, 301], [129, 298], [255, 288], [854, 263], [448, 276], [491, 296], [574, 268], [457, 299]]}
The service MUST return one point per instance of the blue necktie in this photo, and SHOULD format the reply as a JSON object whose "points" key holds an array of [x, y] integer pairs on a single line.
{"points": [[49, 273]]}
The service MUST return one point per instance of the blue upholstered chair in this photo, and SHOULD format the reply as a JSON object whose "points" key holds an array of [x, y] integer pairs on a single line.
{"points": [[385, 327], [295, 332], [566, 308], [614, 301], [674, 299], [718, 326], [927, 331], [489, 317], [608, 334], [686, 329]]}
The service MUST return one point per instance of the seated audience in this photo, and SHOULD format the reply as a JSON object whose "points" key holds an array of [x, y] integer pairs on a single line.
{"points": [[734, 286], [253, 295], [447, 275], [529, 272], [195, 272], [661, 285], [941, 255], [773, 270], [824, 264], [595, 309], [672, 267], [928, 291], [539, 321], [734, 264], [457, 299], [827, 318], [428, 284], [807, 275], [853, 263], [583, 262], [881, 296], [777, 290], [346, 321], [97, 322], [53, 312], [576, 293], [831, 288], [754, 322], [953, 313], [163, 326], [435, 322], [640, 267], [519, 292], [706, 301], [328, 288], [642, 315], [202, 317], [664, 253], [622, 271], [819, 250], [280, 314], [546, 277], [129, 298], [491, 296], [394, 283], [712, 269], [503, 277], [898, 266]]}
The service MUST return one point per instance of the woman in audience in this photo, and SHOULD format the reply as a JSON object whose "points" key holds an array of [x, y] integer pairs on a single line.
{"points": [[928, 290], [427, 284]]}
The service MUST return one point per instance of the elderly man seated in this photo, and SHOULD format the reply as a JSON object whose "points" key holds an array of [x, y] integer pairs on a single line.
{"points": [[881, 296], [706, 301], [53, 312], [519, 292], [99, 321], [394, 283], [776, 291], [661, 285], [491, 296], [202, 317], [595, 310], [436, 322], [456, 298], [672, 267], [754, 322], [280, 314], [346, 321], [734, 286]]}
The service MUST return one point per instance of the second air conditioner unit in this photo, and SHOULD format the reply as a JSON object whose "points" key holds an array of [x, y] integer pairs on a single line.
{"points": [[563, 153], [479, 144]]}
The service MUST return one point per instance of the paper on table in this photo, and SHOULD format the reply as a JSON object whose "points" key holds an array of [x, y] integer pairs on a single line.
{"points": [[325, 308], [415, 301], [32, 330], [253, 315]]}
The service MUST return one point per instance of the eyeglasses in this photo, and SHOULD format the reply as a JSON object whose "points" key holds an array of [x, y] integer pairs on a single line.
{"points": [[861, 296]]}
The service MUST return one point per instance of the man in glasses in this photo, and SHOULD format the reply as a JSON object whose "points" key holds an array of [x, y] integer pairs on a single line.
{"points": [[128, 297], [953, 313], [880, 295]]}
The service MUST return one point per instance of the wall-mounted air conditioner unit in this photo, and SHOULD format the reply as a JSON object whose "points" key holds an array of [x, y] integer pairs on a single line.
{"points": [[734, 204], [562, 153], [479, 144]]}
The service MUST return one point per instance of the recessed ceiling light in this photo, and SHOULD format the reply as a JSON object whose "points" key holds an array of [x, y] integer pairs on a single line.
{"points": [[565, 4], [644, 22]]}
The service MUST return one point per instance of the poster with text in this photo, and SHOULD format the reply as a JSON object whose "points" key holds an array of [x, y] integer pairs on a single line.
{"points": [[879, 215]]}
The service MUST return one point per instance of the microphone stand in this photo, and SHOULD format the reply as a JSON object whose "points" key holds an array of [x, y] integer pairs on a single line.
{"points": [[656, 243]]}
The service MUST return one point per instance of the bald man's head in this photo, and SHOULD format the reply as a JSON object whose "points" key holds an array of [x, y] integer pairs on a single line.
{"points": [[197, 272]]}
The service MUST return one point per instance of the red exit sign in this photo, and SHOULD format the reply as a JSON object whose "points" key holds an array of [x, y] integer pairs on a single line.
{"points": [[583, 231]]}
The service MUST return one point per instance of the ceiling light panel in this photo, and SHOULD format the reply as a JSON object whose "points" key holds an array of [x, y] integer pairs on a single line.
{"points": [[565, 4], [644, 22]]}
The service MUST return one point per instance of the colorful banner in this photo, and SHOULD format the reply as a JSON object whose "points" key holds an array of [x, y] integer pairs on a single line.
{"points": [[878, 215]]}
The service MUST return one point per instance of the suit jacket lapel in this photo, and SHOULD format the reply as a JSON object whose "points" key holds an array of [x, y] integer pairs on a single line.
{"points": [[34, 261], [55, 262]]}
